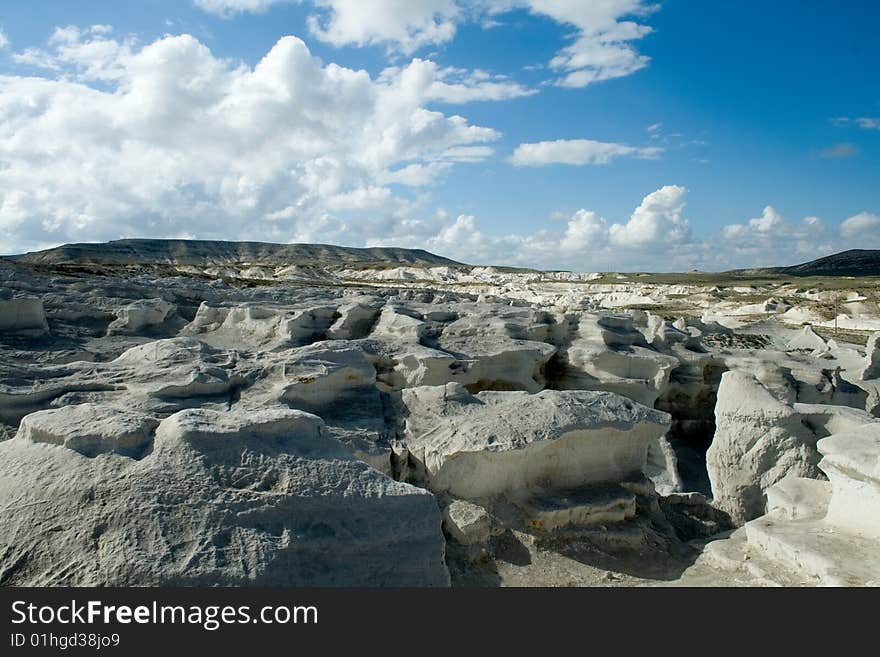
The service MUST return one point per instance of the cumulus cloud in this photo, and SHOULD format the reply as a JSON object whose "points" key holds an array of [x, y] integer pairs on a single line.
{"points": [[602, 44], [4, 40], [452, 85], [655, 235], [864, 224], [406, 24], [168, 140], [771, 239], [577, 152], [601, 38], [584, 230], [657, 220]]}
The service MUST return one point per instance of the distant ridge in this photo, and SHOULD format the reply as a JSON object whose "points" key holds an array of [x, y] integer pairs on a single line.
{"points": [[855, 262], [207, 253]]}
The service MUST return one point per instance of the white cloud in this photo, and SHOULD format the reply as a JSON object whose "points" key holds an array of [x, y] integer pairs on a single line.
{"points": [[229, 8], [602, 48], [4, 40], [585, 229], [601, 39], [452, 85], [773, 240], [864, 224], [405, 24], [655, 235], [657, 220], [577, 152], [167, 139]]}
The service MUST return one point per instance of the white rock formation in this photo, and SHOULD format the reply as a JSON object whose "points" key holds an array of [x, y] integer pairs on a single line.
{"points": [[257, 498], [91, 429], [324, 377], [469, 523], [807, 340], [608, 353], [851, 459], [514, 444], [355, 321], [137, 316], [872, 358], [795, 498], [762, 437], [23, 315]]}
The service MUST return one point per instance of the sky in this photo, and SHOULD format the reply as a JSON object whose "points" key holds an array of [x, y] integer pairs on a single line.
{"points": [[589, 135]]}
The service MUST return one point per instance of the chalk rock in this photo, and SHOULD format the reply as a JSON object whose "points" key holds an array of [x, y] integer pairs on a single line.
{"points": [[468, 523], [179, 368], [795, 498], [607, 353], [872, 359], [23, 316], [807, 340], [262, 326], [326, 376], [513, 443], [141, 314], [355, 321], [851, 459], [480, 363], [260, 498], [400, 323], [90, 429], [581, 507], [760, 438]]}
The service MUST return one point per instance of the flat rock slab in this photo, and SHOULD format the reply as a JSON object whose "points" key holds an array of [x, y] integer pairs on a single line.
{"points": [[91, 429], [590, 505], [822, 553], [512, 443]]}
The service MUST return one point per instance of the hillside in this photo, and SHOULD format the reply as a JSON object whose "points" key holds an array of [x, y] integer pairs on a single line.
{"points": [[205, 253], [855, 262]]}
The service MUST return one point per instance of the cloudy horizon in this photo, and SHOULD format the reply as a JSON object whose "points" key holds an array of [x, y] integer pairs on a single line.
{"points": [[557, 134]]}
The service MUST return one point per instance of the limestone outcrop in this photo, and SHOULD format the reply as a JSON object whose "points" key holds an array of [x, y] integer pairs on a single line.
{"points": [[223, 499], [872, 358], [244, 420], [514, 444], [23, 315], [760, 439]]}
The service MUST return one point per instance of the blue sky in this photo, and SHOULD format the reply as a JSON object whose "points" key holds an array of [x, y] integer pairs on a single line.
{"points": [[550, 133]]}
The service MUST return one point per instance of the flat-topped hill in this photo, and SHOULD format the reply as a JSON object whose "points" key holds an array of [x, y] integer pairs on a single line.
{"points": [[208, 252]]}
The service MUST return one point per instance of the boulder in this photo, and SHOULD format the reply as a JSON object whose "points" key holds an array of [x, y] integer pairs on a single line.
{"points": [[468, 523], [261, 498], [327, 378], [90, 429], [355, 321], [851, 459], [140, 315], [795, 498], [807, 340], [516, 444], [23, 316], [762, 436]]}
